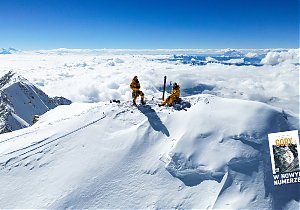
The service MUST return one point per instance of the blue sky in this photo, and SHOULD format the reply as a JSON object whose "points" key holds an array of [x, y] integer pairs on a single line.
{"points": [[48, 24]]}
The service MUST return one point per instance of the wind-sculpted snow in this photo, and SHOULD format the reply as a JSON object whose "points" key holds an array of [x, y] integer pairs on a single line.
{"points": [[216, 143], [111, 155]]}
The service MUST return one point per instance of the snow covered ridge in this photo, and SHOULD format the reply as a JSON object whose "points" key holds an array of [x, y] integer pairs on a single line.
{"points": [[20, 101], [106, 155]]}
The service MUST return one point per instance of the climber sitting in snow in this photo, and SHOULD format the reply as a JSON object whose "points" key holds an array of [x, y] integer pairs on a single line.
{"points": [[135, 87], [174, 97]]}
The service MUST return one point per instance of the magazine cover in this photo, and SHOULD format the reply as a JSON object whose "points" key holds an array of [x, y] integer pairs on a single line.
{"points": [[284, 150]]}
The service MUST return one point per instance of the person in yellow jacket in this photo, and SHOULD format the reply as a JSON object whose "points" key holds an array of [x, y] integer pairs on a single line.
{"points": [[135, 87], [173, 97]]}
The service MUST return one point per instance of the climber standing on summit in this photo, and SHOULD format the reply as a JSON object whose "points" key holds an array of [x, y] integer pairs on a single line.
{"points": [[135, 87]]}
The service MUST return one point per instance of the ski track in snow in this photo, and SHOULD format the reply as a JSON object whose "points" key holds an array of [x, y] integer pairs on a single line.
{"points": [[40, 144], [13, 158]]}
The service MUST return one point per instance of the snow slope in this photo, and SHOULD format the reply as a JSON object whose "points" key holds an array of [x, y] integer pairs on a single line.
{"points": [[106, 155], [20, 101]]}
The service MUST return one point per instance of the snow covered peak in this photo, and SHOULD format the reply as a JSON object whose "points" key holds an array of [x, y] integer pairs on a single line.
{"points": [[7, 51], [6, 78], [10, 78], [20, 100]]}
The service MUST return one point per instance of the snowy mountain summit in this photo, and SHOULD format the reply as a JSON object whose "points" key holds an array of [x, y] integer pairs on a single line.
{"points": [[20, 101], [211, 154]]}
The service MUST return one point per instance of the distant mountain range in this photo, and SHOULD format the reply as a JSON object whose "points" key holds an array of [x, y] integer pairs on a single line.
{"points": [[20, 100], [8, 51]]}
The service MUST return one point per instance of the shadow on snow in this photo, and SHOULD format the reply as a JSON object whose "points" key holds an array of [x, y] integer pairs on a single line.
{"points": [[153, 119]]}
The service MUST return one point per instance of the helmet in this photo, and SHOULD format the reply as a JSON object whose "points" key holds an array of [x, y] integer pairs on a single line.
{"points": [[135, 78], [175, 85]]}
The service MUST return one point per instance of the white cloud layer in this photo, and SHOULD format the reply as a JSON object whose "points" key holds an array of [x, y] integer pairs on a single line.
{"points": [[84, 76], [274, 58]]}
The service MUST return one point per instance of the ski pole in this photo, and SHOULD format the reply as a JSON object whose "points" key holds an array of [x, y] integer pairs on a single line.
{"points": [[165, 80]]}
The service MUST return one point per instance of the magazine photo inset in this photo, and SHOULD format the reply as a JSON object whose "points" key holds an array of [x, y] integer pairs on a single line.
{"points": [[284, 151]]}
